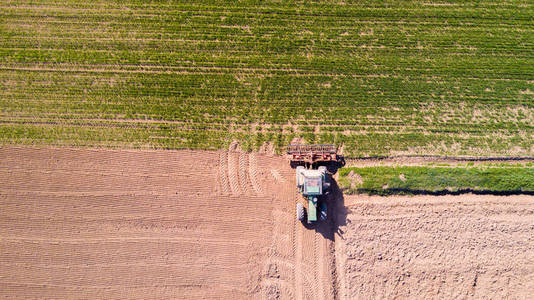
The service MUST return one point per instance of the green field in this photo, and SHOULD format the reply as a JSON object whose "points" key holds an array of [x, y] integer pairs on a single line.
{"points": [[410, 180], [378, 77]]}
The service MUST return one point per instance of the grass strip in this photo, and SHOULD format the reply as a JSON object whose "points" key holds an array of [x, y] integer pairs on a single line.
{"points": [[414, 180]]}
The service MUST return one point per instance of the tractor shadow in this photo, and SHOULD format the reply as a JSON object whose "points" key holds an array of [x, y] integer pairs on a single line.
{"points": [[336, 211]]}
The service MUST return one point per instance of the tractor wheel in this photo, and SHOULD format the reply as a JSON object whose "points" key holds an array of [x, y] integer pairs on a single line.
{"points": [[300, 212]]}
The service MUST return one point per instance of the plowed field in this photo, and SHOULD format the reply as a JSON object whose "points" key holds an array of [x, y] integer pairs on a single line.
{"points": [[221, 225], [446, 247], [147, 224]]}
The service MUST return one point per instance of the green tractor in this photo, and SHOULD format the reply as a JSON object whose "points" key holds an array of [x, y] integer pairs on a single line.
{"points": [[313, 184], [313, 178]]}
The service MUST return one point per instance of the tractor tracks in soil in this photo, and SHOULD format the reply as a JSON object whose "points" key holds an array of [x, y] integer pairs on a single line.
{"points": [[223, 173], [233, 173], [107, 220], [253, 173], [297, 251], [238, 174], [294, 266]]}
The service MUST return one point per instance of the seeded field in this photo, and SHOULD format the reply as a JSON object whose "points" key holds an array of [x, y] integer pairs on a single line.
{"points": [[378, 77]]}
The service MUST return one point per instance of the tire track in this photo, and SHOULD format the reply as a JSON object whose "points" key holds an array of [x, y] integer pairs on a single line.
{"points": [[297, 228], [320, 266], [253, 173], [280, 284], [233, 179], [223, 176], [277, 279], [309, 262], [244, 180]]}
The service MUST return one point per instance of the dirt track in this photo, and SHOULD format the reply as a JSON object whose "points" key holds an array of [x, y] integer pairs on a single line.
{"points": [[155, 224], [221, 225]]}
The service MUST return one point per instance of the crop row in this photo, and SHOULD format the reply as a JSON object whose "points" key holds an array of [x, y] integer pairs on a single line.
{"points": [[444, 67], [169, 138]]}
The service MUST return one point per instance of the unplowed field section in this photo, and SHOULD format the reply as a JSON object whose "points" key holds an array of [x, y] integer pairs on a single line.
{"points": [[154, 224], [447, 247], [382, 78]]}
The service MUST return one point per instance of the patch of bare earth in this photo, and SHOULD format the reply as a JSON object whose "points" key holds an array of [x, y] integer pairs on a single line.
{"points": [[221, 225], [468, 246], [155, 225]]}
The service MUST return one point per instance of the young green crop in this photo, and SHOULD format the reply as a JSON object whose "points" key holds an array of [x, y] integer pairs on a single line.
{"points": [[381, 79]]}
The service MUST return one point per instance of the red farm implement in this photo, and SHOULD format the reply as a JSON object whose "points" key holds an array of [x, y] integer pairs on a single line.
{"points": [[313, 155]]}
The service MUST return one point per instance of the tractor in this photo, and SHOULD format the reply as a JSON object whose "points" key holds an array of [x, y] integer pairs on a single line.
{"points": [[313, 178]]}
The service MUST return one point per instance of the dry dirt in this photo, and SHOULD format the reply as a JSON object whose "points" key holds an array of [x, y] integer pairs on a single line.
{"points": [[446, 247], [221, 225], [155, 224]]}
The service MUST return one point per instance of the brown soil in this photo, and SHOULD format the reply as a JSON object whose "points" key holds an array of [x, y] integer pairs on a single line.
{"points": [[156, 224], [445, 247], [196, 224]]}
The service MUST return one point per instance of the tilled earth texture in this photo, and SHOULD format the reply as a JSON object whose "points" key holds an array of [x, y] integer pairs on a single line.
{"points": [[222, 225], [157, 224], [447, 247]]}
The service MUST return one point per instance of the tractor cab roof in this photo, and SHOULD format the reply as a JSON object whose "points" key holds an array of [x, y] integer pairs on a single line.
{"points": [[312, 173]]}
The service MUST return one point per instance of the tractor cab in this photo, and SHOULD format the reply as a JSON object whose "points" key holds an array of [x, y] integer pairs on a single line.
{"points": [[312, 184]]}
